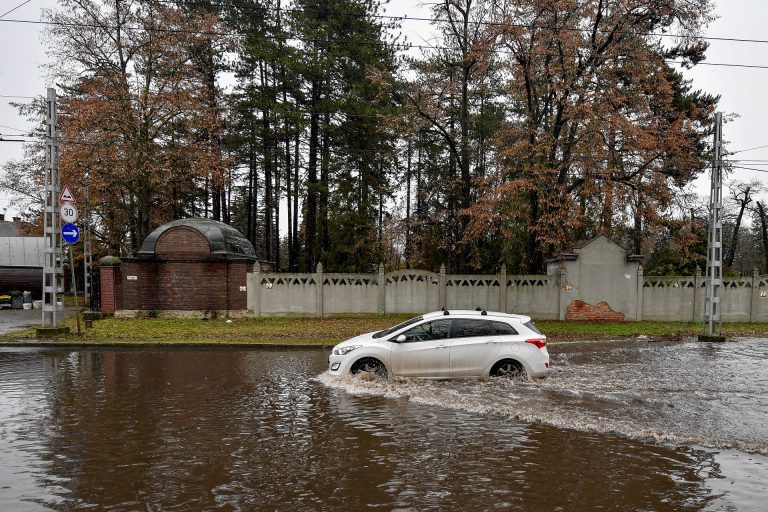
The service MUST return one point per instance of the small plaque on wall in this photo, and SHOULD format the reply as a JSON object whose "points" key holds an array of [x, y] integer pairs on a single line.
{"points": [[243, 288], [132, 278]]}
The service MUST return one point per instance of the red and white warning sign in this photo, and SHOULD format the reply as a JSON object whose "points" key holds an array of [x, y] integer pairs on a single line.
{"points": [[66, 195]]}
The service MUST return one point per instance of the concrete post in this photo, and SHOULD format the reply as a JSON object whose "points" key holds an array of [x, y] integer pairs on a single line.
{"points": [[319, 290], [696, 281], [562, 306], [755, 296], [503, 289], [256, 294], [442, 286], [382, 290], [639, 294]]}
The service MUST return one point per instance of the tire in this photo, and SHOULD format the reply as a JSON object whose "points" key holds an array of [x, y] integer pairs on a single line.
{"points": [[509, 369], [370, 365]]}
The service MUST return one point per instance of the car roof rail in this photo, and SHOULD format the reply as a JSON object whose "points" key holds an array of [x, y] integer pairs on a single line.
{"points": [[445, 312], [484, 313]]}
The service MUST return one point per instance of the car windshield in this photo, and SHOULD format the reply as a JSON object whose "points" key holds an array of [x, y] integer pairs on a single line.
{"points": [[387, 332]]}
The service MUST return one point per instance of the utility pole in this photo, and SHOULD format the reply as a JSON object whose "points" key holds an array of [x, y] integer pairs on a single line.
{"points": [[52, 262], [87, 255], [712, 312]]}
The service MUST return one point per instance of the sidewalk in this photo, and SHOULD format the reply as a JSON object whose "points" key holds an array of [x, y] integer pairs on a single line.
{"points": [[19, 319]]}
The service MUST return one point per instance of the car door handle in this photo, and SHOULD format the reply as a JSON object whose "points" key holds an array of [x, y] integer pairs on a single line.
{"points": [[442, 346]]}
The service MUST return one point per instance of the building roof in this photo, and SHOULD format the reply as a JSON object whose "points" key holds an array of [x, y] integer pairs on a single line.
{"points": [[8, 228], [223, 238]]}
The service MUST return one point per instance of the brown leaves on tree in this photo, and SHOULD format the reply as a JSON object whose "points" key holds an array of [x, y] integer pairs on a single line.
{"points": [[138, 123], [603, 132]]}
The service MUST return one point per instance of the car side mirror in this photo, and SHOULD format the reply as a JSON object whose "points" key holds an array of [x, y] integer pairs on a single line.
{"points": [[400, 339]]}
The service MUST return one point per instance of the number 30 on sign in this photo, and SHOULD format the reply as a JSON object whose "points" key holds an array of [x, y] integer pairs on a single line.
{"points": [[68, 212]]}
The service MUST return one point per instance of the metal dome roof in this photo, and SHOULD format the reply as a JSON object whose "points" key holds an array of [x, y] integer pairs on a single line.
{"points": [[223, 238]]}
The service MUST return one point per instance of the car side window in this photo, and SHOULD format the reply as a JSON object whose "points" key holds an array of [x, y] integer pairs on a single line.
{"points": [[434, 330], [468, 328], [504, 329]]}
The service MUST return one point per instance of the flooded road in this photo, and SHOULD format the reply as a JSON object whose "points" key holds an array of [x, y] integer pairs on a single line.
{"points": [[616, 426]]}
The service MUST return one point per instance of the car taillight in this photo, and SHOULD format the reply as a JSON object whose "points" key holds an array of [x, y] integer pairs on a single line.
{"points": [[538, 342]]}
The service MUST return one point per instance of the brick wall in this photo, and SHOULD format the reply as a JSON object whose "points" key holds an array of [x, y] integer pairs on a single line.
{"points": [[211, 284], [580, 310], [182, 242]]}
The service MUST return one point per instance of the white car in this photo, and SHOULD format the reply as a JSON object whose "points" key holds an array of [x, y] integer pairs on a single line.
{"points": [[448, 344]]}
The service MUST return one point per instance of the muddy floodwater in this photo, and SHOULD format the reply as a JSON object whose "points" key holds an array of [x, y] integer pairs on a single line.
{"points": [[616, 426]]}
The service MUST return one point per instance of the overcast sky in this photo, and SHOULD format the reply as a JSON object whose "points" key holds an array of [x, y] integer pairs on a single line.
{"points": [[743, 90]]}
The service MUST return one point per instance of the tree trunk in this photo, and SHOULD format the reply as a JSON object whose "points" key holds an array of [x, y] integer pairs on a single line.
{"points": [[310, 216], [764, 232], [322, 222], [735, 238]]}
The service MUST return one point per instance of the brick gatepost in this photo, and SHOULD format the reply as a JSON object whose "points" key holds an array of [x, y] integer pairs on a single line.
{"points": [[109, 273]]}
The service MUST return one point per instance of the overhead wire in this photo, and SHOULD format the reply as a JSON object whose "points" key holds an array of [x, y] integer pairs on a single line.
{"points": [[392, 45], [18, 6], [470, 22]]}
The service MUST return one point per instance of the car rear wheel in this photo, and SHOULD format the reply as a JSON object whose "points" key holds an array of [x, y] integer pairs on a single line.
{"points": [[369, 365], [509, 369]]}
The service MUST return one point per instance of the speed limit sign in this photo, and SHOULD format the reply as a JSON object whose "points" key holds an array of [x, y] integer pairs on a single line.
{"points": [[68, 212]]}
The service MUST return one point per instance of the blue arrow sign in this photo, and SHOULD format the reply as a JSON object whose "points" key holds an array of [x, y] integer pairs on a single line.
{"points": [[70, 233]]}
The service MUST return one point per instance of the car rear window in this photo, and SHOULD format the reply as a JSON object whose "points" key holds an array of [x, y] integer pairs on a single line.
{"points": [[533, 327], [504, 329], [467, 328]]}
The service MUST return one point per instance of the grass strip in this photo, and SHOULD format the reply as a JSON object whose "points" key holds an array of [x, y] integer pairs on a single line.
{"points": [[301, 331]]}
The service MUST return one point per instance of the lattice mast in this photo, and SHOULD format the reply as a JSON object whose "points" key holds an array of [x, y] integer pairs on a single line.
{"points": [[712, 311], [52, 263]]}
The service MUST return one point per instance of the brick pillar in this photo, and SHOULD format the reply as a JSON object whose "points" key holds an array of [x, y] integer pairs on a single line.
{"points": [[109, 276]]}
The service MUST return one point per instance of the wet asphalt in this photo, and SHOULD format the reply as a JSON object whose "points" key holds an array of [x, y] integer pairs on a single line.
{"points": [[12, 320]]}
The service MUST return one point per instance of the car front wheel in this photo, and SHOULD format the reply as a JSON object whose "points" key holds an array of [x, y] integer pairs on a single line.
{"points": [[369, 365], [509, 369]]}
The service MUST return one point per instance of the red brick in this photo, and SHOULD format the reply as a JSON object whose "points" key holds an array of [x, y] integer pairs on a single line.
{"points": [[580, 310]]}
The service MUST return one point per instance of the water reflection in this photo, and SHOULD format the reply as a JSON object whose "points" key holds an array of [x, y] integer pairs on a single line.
{"points": [[255, 430]]}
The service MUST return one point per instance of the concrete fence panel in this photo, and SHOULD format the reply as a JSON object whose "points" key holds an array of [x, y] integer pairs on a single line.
{"points": [[736, 299], [472, 291], [670, 298], [534, 295], [411, 291], [760, 299], [350, 293], [286, 293]]}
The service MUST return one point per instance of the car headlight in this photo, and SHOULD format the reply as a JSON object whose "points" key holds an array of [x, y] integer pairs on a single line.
{"points": [[345, 350]]}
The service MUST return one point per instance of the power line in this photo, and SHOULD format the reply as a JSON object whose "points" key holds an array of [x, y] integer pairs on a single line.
{"points": [[748, 149], [347, 42], [749, 168], [470, 22], [14, 129], [9, 12]]}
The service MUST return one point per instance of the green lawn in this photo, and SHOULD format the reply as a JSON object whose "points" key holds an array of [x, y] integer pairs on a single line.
{"points": [[331, 330]]}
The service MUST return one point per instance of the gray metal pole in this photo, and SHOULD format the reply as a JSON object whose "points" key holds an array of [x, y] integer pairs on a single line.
{"points": [[712, 312]]}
